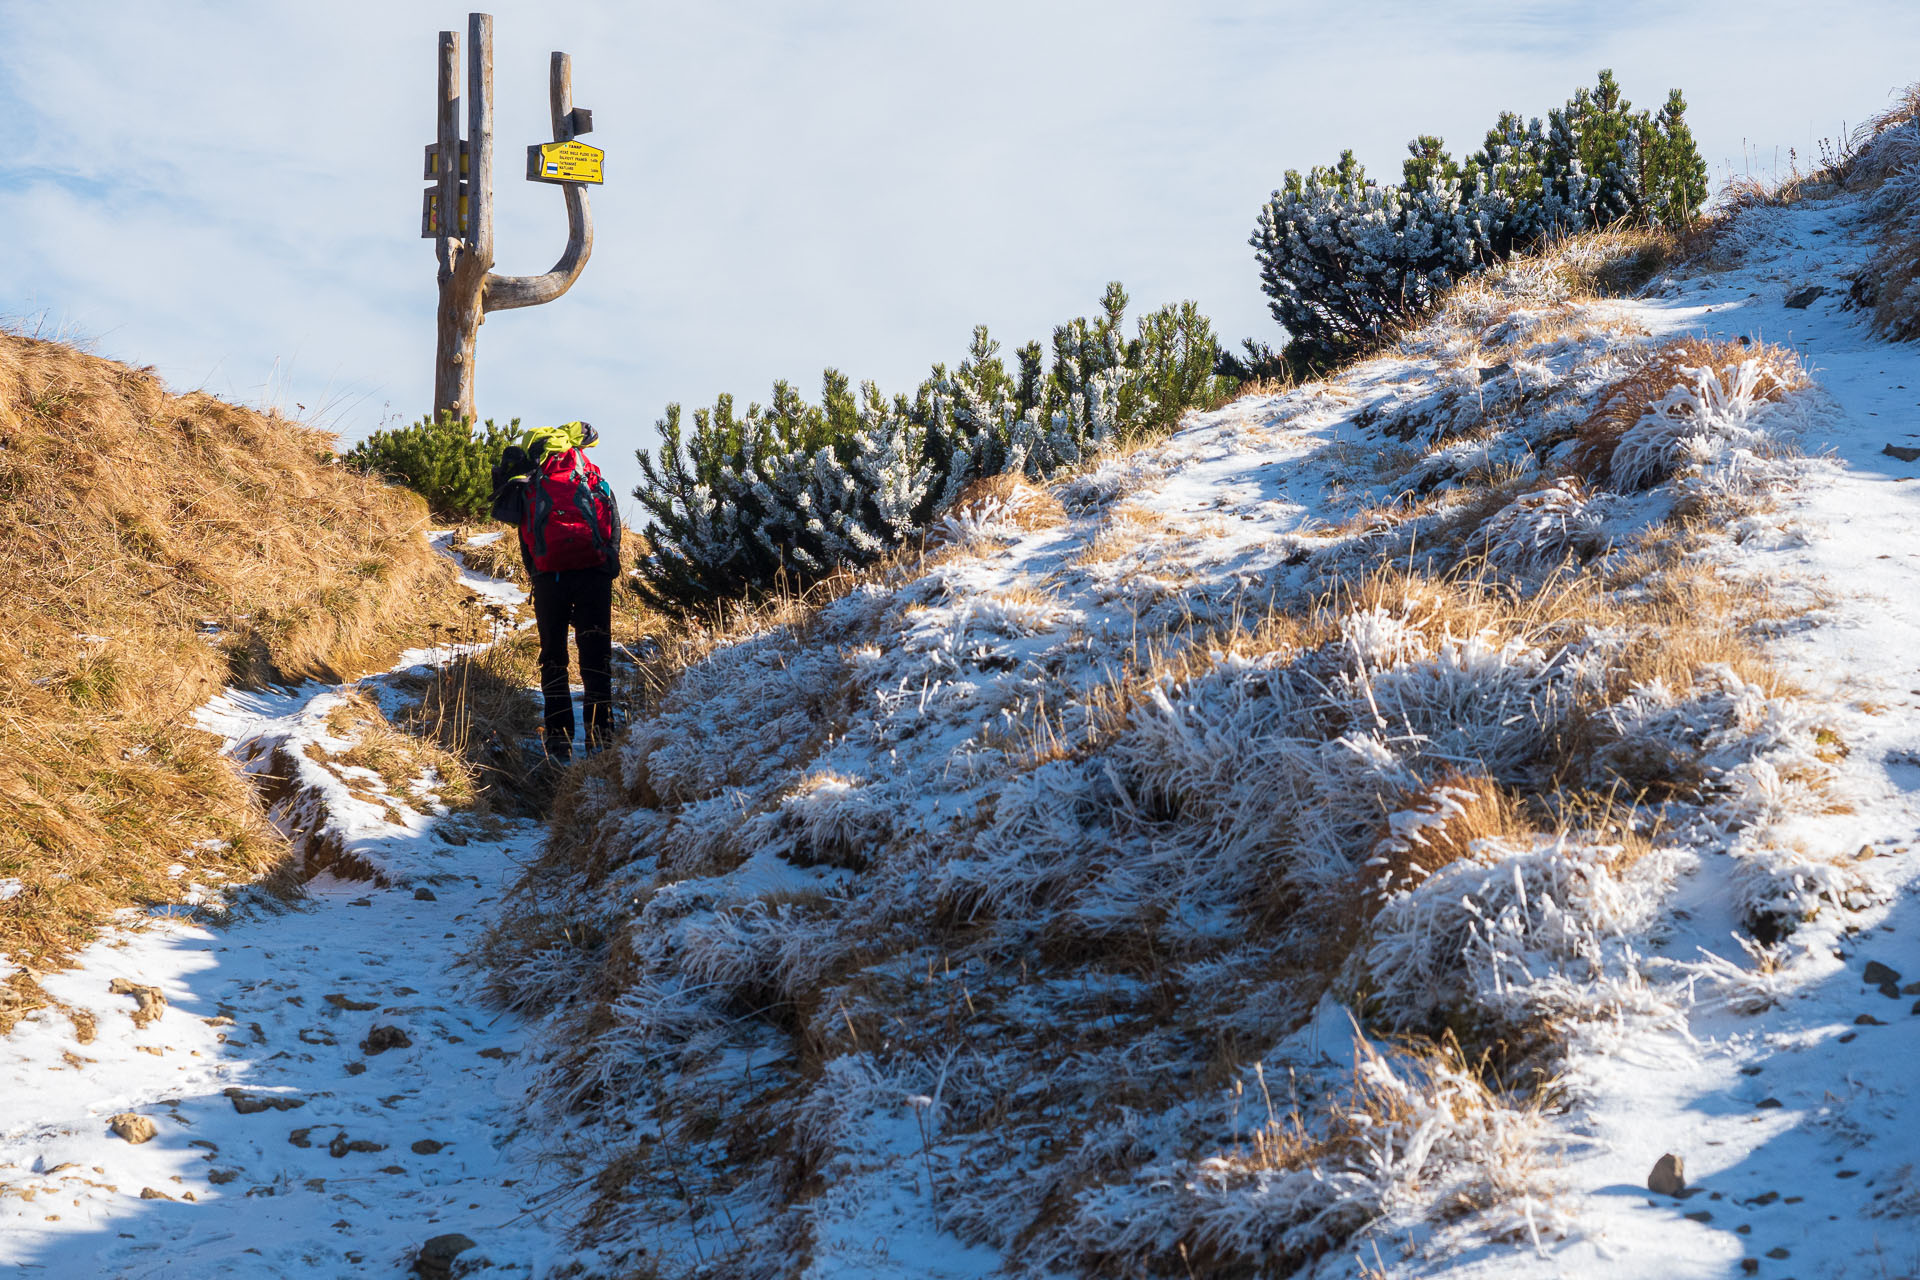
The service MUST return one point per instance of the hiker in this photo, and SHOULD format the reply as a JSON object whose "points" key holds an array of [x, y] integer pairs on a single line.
{"points": [[570, 544]]}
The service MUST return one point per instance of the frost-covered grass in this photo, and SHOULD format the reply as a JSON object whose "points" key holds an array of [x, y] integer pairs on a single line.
{"points": [[1015, 880]]}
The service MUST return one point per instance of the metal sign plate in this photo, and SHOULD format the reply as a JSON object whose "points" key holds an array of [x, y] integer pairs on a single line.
{"points": [[571, 161]]}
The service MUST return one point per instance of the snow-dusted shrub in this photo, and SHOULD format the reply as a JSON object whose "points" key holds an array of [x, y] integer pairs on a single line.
{"points": [[788, 491], [792, 492], [1343, 261]]}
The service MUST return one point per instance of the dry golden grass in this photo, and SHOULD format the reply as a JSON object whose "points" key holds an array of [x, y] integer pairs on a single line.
{"points": [[482, 710], [1010, 500], [1257, 387], [1885, 147], [1470, 810], [1662, 369], [1891, 284], [1882, 146], [157, 547], [399, 758], [1122, 533], [497, 558], [1613, 262]]}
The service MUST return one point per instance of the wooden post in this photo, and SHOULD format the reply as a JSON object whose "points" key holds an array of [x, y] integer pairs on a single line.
{"points": [[452, 387], [464, 241], [504, 292]]}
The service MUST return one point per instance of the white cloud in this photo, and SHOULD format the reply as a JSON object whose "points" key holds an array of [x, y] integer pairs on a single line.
{"points": [[232, 191]]}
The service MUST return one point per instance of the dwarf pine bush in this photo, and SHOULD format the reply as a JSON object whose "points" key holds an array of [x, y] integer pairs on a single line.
{"points": [[443, 459], [791, 491], [1345, 260]]}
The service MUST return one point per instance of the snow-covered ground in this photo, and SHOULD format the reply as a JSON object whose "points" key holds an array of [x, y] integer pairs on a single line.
{"points": [[1796, 1123], [326, 1088], [916, 752]]}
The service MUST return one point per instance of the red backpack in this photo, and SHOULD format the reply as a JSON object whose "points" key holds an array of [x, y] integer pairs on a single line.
{"points": [[571, 521]]}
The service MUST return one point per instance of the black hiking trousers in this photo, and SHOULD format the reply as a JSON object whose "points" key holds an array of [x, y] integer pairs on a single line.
{"points": [[581, 599]]}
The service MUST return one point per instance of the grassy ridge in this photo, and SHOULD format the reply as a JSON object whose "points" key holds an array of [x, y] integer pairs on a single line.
{"points": [[154, 548]]}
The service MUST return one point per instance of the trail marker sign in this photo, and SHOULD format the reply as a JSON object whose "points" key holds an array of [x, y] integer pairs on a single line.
{"points": [[433, 160], [569, 161], [457, 210], [430, 214]]}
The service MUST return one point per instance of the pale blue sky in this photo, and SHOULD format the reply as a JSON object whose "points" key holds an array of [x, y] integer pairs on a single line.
{"points": [[230, 191]]}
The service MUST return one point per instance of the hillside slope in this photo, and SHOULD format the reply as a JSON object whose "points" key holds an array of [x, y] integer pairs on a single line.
{"points": [[156, 548], [1293, 844]]}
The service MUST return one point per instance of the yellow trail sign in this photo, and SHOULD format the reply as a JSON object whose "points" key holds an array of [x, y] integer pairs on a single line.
{"points": [[571, 161]]}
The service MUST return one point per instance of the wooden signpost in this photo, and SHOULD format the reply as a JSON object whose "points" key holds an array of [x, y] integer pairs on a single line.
{"points": [[461, 170]]}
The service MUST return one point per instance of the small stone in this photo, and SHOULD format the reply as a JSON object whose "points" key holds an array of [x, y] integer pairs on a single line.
{"points": [[495, 1052], [383, 1038], [220, 1177], [1890, 990], [1778, 1251], [393, 1168], [248, 1104], [1669, 1176], [1846, 1173], [1750, 1071], [1877, 974], [1750, 1265], [1744, 1229], [356, 1068], [424, 894], [1765, 1198], [1911, 989], [1847, 1037], [1903, 452], [340, 1000], [427, 1147], [361, 902], [299, 1137], [435, 1259], [150, 1002], [1868, 1020], [341, 1145], [1700, 1215], [148, 1193], [133, 1127], [1801, 299], [1766, 1104]]}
